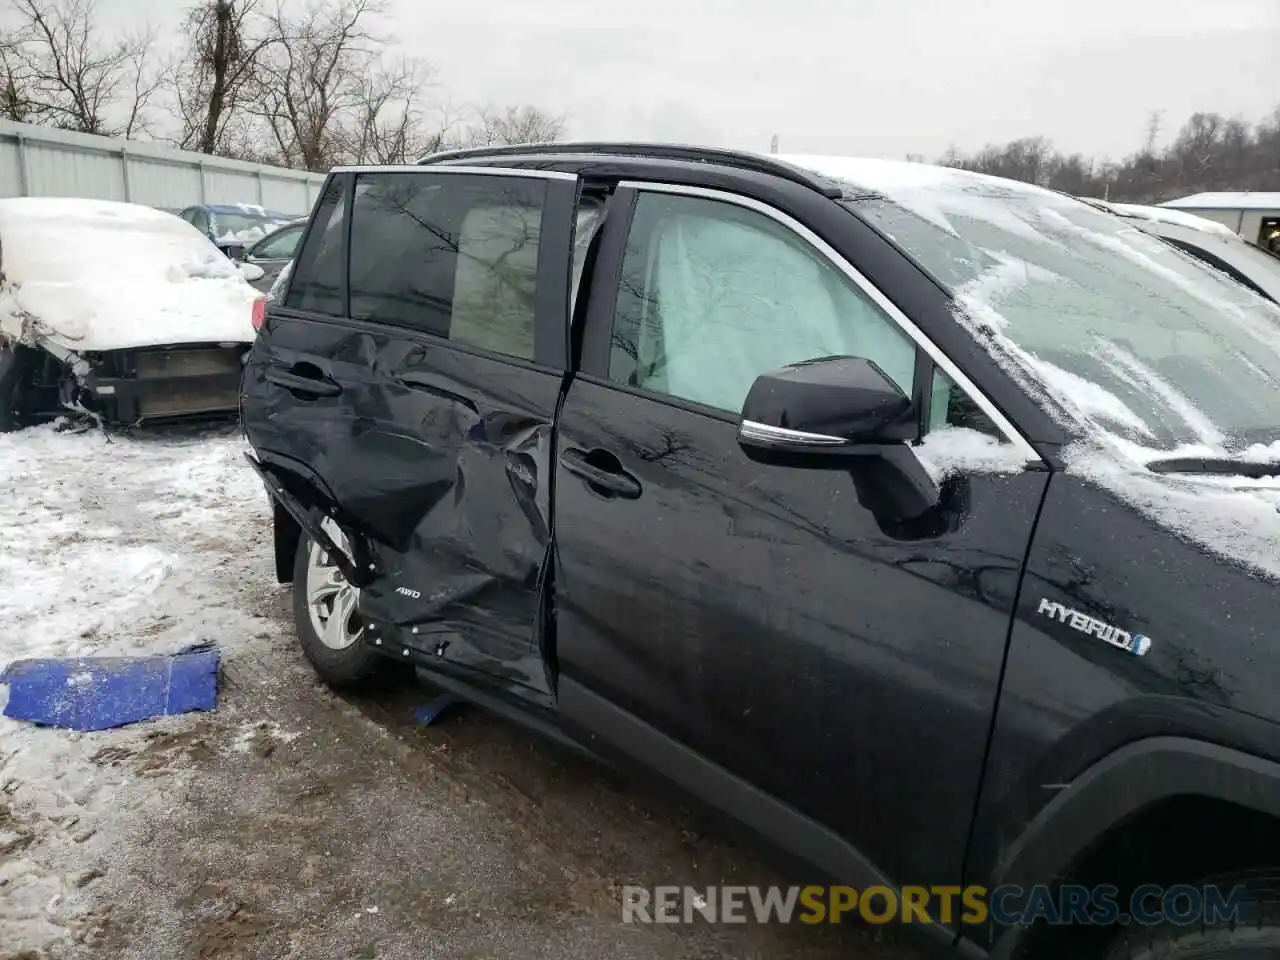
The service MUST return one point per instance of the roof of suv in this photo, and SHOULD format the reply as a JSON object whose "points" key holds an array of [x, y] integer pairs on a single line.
{"points": [[831, 176], [737, 159]]}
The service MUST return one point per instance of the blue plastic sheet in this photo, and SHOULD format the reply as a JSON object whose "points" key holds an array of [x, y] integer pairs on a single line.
{"points": [[99, 693], [431, 712]]}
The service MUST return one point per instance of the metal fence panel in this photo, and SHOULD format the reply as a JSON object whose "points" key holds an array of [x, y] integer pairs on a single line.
{"points": [[44, 162]]}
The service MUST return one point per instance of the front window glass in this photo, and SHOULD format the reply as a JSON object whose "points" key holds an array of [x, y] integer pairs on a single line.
{"points": [[713, 295], [1117, 327]]}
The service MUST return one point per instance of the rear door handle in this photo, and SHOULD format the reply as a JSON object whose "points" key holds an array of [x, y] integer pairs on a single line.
{"points": [[602, 471], [300, 383]]}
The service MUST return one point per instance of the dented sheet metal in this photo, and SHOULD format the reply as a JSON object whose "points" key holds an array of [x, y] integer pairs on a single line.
{"points": [[440, 460]]}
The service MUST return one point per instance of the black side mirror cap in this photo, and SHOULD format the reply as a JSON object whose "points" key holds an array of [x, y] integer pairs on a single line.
{"points": [[829, 405]]}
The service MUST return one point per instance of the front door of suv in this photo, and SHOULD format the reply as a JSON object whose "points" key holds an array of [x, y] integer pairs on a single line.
{"points": [[407, 385], [751, 630]]}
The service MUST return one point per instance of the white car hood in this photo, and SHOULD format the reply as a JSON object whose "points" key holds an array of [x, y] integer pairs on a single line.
{"points": [[92, 275]]}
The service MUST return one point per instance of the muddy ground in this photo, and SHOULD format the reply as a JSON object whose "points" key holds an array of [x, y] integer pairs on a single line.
{"points": [[291, 823], [302, 825]]}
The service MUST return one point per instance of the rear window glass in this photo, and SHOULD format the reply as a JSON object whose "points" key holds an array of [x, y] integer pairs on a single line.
{"points": [[317, 279], [451, 255]]}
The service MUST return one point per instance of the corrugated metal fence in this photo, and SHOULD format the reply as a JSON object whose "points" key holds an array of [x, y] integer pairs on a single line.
{"points": [[42, 162]]}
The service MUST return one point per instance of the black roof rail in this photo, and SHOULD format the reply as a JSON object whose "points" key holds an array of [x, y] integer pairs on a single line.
{"points": [[741, 160]]}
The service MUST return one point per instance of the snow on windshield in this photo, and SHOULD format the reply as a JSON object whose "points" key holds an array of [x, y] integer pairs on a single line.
{"points": [[1186, 354], [1142, 351], [247, 235], [1178, 217], [100, 275]]}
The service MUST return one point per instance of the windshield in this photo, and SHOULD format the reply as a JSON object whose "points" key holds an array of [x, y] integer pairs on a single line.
{"points": [[1261, 260], [1117, 328], [245, 227]]}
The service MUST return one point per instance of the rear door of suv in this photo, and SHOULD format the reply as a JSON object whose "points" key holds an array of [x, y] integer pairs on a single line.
{"points": [[406, 386]]}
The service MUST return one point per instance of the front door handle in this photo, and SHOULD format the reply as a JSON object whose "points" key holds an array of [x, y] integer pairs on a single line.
{"points": [[291, 380], [602, 471]]}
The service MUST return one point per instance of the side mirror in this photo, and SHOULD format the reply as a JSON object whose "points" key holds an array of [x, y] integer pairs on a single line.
{"points": [[250, 271], [235, 251], [825, 406], [843, 413]]}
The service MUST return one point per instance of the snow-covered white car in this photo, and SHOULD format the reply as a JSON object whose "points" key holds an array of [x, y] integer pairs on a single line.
{"points": [[117, 311], [1207, 240]]}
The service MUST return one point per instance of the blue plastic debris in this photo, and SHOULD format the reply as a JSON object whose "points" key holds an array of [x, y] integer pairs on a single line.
{"points": [[99, 693], [432, 711]]}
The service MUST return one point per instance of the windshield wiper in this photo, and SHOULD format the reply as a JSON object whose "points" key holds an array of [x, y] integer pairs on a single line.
{"points": [[1218, 466]]}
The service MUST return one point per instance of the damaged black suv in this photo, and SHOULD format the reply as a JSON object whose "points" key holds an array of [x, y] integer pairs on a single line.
{"points": [[922, 521]]}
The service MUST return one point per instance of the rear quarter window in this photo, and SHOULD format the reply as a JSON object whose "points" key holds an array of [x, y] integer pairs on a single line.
{"points": [[317, 285], [451, 255]]}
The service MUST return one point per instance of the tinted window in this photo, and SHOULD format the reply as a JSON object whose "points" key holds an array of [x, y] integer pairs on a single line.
{"points": [[713, 295], [952, 407], [280, 245], [451, 255], [317, 278]]}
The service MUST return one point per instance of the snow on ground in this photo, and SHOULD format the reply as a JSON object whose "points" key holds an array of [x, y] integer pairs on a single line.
{"points": [[112, 547], [290, 822]]}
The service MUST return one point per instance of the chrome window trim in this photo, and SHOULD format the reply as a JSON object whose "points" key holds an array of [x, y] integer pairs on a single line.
{"points": [[433, 169], [833, 256], [751, 430]]}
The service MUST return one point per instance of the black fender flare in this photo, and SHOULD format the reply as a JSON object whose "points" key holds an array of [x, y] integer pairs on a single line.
{"points": [[1118, 786]]}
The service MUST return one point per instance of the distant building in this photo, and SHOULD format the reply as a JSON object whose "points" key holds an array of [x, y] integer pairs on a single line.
{"points": [[1253, 215]]}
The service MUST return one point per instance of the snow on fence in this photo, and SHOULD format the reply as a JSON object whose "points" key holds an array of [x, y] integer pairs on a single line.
{"points": [[43, 162]]}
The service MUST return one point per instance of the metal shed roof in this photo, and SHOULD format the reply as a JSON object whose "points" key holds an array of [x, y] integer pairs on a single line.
{"points": [[1238, 200]]}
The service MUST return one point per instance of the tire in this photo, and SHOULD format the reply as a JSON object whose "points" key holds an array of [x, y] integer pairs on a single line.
{"points": [[336, 649], [1255, 934]]}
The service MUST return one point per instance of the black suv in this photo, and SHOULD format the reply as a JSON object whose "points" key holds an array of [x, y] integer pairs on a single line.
{"points": [[924, 522]]}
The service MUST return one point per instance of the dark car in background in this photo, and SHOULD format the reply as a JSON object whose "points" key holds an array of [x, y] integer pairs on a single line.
{"points": [[274, 251], [234, 227], [922, 521]]}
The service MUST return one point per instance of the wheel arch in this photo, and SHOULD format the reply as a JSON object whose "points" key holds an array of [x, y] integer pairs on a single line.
{"points": [[1135, 785]]}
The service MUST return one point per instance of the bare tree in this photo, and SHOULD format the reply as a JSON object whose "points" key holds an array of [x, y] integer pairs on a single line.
{"points": [[64, 71], [1210, 152], [512, 125], [389, 123], [313, 78], [214, 75], [16, 83]]}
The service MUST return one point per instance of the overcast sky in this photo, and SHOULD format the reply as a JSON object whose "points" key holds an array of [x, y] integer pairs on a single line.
{"points": [[871, 77]]}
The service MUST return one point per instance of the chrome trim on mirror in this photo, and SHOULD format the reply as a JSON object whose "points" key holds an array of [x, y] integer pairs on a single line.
{"points": [[751, 430], [1012, 434]]}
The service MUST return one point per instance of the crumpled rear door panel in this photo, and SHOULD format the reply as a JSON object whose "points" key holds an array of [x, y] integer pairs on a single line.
{"points": [[435, 457]]}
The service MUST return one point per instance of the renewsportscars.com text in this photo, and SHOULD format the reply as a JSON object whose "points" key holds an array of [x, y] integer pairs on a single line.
{"points": [[1067, 905]]}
